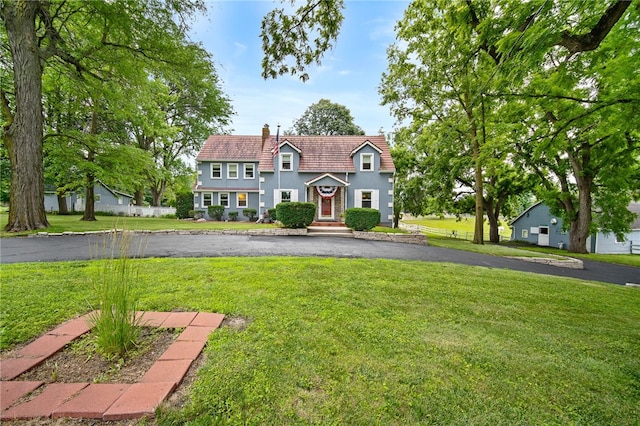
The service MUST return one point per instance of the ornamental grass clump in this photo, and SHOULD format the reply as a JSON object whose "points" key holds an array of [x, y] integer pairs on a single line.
{"points": [[115, 326]]}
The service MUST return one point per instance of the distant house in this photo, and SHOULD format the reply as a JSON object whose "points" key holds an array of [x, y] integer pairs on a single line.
{"points": [[106, 199], [259, 172], [538, 226]]}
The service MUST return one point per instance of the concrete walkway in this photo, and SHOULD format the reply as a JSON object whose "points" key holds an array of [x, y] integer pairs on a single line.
{"points": [[22, 400]]}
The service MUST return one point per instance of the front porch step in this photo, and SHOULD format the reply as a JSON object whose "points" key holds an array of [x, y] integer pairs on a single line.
{"points": [[329, 231]]}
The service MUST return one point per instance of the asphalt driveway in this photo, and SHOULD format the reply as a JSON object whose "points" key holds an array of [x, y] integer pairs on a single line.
{"points": [[85, 247]]}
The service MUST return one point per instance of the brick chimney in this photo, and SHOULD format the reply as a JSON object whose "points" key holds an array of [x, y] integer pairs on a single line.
{"points": [[265, 134]]}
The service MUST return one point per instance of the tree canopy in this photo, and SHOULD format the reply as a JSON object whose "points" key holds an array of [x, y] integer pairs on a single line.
{"points": [[520, 96], [119, 52], [326, 118]]}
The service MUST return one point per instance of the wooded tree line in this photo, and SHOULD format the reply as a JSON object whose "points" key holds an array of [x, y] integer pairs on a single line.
{"points": [[93, 90], [507, 97]]}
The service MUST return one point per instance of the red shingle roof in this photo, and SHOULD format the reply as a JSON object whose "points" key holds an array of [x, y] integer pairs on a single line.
{"points": [[231, 148], [327, 153], [318, 153]]}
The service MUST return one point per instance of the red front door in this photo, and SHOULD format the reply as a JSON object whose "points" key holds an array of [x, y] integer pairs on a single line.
{"points": [[326, 207]]}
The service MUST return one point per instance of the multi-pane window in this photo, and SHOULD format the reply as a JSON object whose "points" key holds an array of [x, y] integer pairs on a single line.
{"points": [[285, 196], [206, 199], [224, 199], [366, 162], [286, 162], [232, 171], [249, 171], [242, 199], [366, 199], [216, 171]]}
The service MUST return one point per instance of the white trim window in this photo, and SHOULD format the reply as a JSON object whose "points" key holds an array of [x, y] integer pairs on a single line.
{"points": [[249, 171], [216, 170], [284, 196], [525, 233], [366, 162], [286, 162], [232, 171], [223, 197], [242, 200], [207, 199], [367, 198]]}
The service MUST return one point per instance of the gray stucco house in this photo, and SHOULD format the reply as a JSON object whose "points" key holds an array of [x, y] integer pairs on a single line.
{"points": [[334, 172], [106, 199], [538, 226]]}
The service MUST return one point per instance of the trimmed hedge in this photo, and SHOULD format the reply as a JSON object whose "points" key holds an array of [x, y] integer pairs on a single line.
{"points": [[273, 214], [215, 212], [233, 216], [296, 214], [362, 219]]}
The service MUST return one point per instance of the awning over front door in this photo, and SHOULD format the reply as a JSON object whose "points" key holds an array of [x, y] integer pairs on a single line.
{"points": [[326, 179]]}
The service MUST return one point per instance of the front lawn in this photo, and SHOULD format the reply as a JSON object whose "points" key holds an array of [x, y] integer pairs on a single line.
{"points": [[361, 341], [72, 223]]}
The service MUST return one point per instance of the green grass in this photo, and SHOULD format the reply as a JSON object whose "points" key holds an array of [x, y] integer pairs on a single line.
{"points": [[360, 341], [465, 226], [72, 223], [621, 259], [462, 226], [487, 248]]}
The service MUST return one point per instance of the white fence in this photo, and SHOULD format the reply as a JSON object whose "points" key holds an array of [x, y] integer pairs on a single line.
{"points": [[443, 232], [132, 210]]}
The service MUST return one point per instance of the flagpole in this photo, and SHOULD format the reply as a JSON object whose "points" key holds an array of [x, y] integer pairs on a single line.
{"points": [[278, 159]]}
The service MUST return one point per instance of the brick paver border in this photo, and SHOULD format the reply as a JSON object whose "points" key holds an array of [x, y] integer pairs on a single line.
{"points": [[112, 401]]}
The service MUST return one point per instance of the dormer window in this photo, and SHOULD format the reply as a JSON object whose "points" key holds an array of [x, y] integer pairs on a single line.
{"points": [[286, 162], [366, 162]]}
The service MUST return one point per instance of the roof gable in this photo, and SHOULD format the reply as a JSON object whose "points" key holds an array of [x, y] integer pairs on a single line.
{"points": [[287, 143], [326, 178], [365, 143], [525, 212]]}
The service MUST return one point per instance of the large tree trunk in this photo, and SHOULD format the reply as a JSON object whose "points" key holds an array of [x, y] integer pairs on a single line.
{"points": [[62, 204], [139, 197], [493, 215], [23, 137], [478, 231], [157, 192], [89, 207], [580, 226]]}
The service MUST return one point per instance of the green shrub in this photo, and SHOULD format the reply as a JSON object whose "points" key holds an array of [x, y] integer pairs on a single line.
{"points": [[273, 214], [233, 216], [184, 205], [296, 214], [362, 219], [215, 212], [250, 213]]}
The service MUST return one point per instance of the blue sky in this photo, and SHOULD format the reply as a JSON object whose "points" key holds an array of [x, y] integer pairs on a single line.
{"points": [[349, 75]]}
